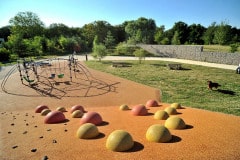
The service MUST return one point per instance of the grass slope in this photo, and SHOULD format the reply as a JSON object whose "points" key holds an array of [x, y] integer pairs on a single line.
{"points": [[187, 86]]}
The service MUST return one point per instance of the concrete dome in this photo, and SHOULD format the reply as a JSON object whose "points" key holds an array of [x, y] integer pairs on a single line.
{"points": [[158, 133], [77, 114], [175, 122], [139, 110], [91, 117], [87, 131], [40, 108], [161, 115], [170, 110], [119, 141], [54, 117], [152, 103]]}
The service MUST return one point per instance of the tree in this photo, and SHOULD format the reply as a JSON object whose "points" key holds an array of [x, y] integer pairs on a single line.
{"points": [[159, 35], [141, 31], [27, 24], [181, 29], [109, 40], [5, 32], [209, 34], [195, 34], [99, 50], [222, 34], [141, 54], [176, 39]]}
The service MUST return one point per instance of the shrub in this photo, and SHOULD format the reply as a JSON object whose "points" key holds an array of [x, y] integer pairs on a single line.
{"points": [[4, 54], [234, 47]]}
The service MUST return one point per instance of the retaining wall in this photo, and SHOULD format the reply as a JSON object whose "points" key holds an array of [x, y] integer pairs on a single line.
{"points": [[192, 53]]}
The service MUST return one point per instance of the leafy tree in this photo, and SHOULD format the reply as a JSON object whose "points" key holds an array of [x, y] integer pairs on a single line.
{"points": [[159, 35], [4, 54], [141, 31], [5, 32], [27, 24], [176, 39], [99, 50], [109, 40], [195, 34], [209, 34], [222, 34], [57, 30], [181, 29], [141, 54]]}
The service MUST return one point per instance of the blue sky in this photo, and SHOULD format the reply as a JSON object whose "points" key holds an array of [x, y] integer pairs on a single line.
{"points": [[76, 13]]}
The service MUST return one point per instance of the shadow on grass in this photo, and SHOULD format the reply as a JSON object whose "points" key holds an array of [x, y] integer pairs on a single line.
{"points": [[229, 92]]}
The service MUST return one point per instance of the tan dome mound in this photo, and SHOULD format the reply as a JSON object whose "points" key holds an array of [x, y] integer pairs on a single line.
{"points": [[158, 133], [119, 141], [170, 110], [176, 105], [87, 131], [45, 112], [124, 107], [152, 103], [175, 123], [161, 115], [61, 109], [77, 114], [40, 108]]}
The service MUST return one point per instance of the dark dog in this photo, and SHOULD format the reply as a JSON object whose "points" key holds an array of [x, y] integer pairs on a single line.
{"points": [[212, 85]]}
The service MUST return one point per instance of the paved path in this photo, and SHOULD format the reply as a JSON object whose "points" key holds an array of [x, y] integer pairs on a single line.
{"points": [[122, 58], [5, 70]]}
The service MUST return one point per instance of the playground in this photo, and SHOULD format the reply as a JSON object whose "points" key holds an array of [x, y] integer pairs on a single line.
{"points": [[67, 82]]}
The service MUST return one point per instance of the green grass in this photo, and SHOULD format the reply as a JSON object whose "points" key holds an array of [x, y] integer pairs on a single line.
{"points": [[218, 48], [188, 86]]}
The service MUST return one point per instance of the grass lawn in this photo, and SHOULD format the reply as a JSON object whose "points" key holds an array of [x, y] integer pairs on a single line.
{"points": [[218, 48], [187, 86]]}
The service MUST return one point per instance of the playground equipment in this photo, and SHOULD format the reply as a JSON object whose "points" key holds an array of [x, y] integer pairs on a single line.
{"points": [[31, 71], [55, 77]]}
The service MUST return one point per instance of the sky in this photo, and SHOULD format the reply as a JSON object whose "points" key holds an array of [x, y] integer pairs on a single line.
{"points": [[76, 13]]}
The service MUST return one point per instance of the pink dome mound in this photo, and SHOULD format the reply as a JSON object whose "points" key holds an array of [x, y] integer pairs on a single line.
{"points": [[54, 117], [151, 103], [40, 108], [91, 117], [139, 110], [77, 107]]}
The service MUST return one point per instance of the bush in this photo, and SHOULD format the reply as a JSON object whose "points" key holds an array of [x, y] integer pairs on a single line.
{"points": [[4, 54], [234, 47], [125, 50]]}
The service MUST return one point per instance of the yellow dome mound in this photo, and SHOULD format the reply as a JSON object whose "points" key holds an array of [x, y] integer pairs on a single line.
{"points": [[124, 107], [175, 122], [176, 105], [170, 110], [119, 141], [158, 133], [87, 131], [161, 115], [77, 114]]}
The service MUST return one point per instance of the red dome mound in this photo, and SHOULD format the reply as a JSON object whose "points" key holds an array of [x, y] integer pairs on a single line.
{"points": [[54, 117], [77, 107], [40, 108], [139, 110], [151, 103], [91, 117]]}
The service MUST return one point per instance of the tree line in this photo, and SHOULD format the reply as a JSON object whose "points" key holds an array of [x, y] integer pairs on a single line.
{"points": [[27, 36]]}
